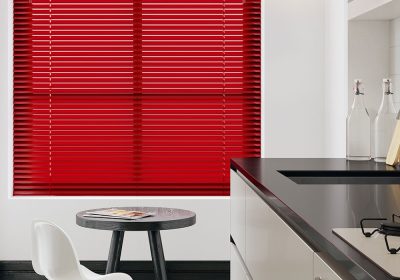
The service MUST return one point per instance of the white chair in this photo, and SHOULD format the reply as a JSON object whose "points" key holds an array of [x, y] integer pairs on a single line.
{"points": [[54, 257]]}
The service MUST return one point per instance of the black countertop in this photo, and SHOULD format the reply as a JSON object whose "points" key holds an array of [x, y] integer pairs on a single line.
{"points": [[323, 194]]}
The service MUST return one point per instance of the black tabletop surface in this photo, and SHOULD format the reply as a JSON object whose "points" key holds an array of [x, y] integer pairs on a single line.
{"points": [[323, 194], [164, 218]]}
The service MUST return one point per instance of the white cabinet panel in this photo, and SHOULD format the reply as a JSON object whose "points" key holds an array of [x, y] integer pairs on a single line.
{"points": [[322, 271], [238, 268], [273, 250], [238, 192]]}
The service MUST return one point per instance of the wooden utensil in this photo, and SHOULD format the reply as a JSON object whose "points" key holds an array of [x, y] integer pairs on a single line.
{"points": [[393, 155]]}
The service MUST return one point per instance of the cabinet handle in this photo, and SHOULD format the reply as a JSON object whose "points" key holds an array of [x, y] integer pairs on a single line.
{"points": [[318, 278]]}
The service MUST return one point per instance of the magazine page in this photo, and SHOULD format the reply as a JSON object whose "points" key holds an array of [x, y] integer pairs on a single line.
{"points": [[113, 213]]}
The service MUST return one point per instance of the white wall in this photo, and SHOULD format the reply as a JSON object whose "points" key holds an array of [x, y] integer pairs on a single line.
{"points": [[304, 78], [303, 112], [335, 88], [394, 70]]}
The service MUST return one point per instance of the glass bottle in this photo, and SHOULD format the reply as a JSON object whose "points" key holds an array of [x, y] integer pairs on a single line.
{"points": [[385, 122], [358, 144]]}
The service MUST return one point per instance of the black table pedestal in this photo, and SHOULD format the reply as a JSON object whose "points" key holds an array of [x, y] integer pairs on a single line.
{"points": [[157, 254], [114, 254]]}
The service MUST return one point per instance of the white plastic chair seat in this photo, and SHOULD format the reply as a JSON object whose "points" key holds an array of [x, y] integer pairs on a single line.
{"points": [[88, 273], [54, 257], [94, 276]]}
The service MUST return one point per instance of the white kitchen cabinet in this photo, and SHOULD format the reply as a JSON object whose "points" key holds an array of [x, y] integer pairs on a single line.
{"points": [[266, 247], [238, 192], [325, 271], [238, 267], [273, 249]]}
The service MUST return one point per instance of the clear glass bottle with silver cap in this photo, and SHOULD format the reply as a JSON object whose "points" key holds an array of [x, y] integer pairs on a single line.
{"points": [[385, 122], [358, 144]]}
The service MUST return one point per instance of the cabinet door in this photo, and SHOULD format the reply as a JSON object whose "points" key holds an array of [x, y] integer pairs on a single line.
{"points": [[238, 192], [273, 249], [238, 268], [324, 271]]}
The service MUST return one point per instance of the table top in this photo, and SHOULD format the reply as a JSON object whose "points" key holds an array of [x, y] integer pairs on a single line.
{"points": [[164, 219]]}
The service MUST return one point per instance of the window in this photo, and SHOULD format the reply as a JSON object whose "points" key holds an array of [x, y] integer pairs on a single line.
{"points": [[129, 97]]}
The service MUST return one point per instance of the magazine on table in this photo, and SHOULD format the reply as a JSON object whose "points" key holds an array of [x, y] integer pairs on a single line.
{"points": [[114, 213]]}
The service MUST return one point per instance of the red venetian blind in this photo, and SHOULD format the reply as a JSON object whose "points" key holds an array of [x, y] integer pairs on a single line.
{"points": [[129, 97]]}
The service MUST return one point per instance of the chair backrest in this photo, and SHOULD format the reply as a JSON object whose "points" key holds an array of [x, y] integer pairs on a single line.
{"points": [[52, 252]]}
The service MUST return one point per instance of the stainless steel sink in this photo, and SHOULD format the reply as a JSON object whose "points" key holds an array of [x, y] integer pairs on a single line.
{"points": [[342, 177]]}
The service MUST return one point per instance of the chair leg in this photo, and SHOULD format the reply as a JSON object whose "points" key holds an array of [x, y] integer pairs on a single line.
{"points": [[114, 254], [157, 255]]}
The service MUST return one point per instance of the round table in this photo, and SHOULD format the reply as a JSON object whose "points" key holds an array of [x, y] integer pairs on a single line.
{"points": [[164, 219]]}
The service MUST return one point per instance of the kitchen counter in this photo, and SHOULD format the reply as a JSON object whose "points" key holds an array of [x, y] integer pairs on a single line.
{"points": [[313, 196]]}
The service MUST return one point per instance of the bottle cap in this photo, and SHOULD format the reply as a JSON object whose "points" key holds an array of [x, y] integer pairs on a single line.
{"points": [[387, 86], [358, 87]]}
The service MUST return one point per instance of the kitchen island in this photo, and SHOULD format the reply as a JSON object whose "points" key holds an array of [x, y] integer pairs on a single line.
{"points": [[312, 197]]}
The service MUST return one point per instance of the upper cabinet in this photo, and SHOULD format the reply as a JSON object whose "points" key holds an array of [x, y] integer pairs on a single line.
{"points": [[374, 9]]}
